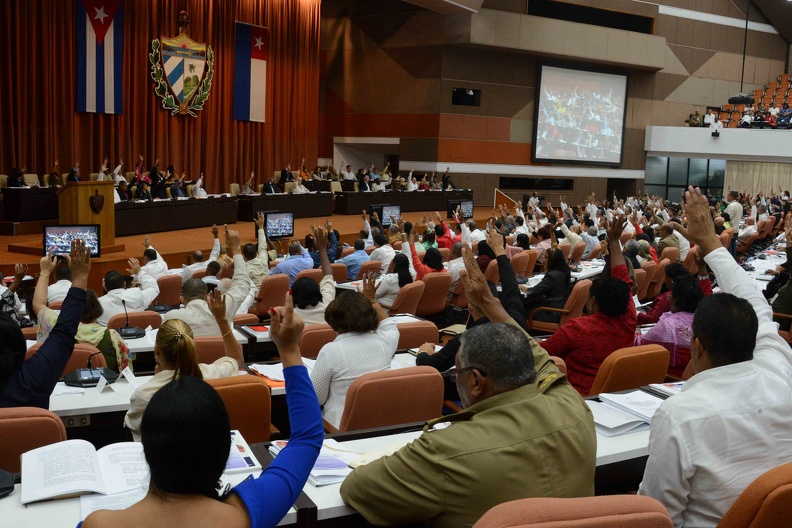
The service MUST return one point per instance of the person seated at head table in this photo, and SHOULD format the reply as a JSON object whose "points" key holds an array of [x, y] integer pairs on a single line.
{"points": [[300, 187], [503, 376], [296, 261], [739, 395], [175, 356], [143, 191], [584, 342], [186, 412], [366, 342], [196, 312], [89, 332], [399, 274], [270, 187], [354, 260], [29, 382], [121, 298], [312, 299], [247, 187], [15, 178]]}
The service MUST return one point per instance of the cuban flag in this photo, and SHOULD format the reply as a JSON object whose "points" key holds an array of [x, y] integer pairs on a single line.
{"points": [[100, 48], [250, 73]]}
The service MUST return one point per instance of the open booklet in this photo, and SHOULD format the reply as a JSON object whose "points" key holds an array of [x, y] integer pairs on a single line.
{"points": [[618, 414], [75, 467]]}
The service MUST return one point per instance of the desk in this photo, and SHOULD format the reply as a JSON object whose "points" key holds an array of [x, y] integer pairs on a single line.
{"points": [[771, 261], [35, 203], [90, 401], [146, 344], [136, 218], [355, 202], [302, 205]]}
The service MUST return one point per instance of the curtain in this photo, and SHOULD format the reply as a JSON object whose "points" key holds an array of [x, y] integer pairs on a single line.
{"points": [[755, 177], [38, 122]]}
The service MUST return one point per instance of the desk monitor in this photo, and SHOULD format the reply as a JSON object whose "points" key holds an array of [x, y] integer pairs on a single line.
{"points": [[57, 239], [279, 225], [391, 214], [465, 206]]}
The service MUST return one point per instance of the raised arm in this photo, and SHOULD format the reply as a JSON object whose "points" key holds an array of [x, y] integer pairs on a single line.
{"points": [[510, 295], [240, 285], [215, 244], [217, 305], [148, 284], [321, 241], [267, 498], [47, 264]]}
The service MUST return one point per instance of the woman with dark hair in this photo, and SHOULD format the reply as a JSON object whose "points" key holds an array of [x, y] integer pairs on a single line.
{"points": [[485, 255], [432, 259], [522, 243], [552, 290], [674, 329], [186, 440], [429, 240], [366, 342], [175, 355], [311, 299], [399, 275]]}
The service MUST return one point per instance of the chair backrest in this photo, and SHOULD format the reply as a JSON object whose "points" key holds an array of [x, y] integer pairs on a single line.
{"points": [[765, 503], [670, 253], [170, 287], [81, 354], [246, 319], [408, 298], [524, 262], [577, 252], [314, 337], [315, 274], [435, 295], [576, 300], [26, 428], [445, 253], [393, 397], [248, 404], [610, 511], [370, 266], [272, 293], [209, 349], [641, 280], [492, 273], [139, 319], [630, 368], [566, 249], [691, 264], [416, 333], [234, 189], [595, 253], [339, 272], [31, 179], [657, 279]]}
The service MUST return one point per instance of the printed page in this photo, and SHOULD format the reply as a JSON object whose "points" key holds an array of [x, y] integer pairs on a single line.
{"points": [[123, 467], [65, 468]]}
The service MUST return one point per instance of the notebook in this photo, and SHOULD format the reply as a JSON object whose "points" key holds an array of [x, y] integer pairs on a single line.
{"points": [[611, 421], [638, 403], [329, 468], [274, 371]]}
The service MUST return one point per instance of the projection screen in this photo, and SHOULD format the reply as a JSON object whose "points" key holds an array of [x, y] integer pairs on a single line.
{"points": [[580, 116]]}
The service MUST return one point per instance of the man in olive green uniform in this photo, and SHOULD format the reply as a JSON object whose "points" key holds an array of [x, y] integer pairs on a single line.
{"points": [[525, 432], [667, 238]]}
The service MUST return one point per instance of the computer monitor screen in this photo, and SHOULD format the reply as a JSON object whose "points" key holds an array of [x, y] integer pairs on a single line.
{"points": [[465, 207], [580, 116], [58, 239], [390, 214], [280, 225]]}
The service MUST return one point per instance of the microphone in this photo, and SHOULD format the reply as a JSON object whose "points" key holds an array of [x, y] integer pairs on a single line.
{"points": [[130, 332], [89, 376]]}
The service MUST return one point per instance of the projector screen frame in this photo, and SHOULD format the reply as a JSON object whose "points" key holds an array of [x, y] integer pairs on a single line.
{"points": [[586, 68]]}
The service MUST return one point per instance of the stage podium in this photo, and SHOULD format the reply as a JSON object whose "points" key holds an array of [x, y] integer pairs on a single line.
{"points": [[90, 202]]}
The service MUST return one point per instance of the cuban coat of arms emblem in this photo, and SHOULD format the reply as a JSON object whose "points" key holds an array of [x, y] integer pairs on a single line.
{"points": [[182, 71]]}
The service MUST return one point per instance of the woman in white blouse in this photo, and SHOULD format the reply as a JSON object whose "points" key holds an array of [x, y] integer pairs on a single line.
{"points": [[366, 342], [175, 355], [400, 274]]}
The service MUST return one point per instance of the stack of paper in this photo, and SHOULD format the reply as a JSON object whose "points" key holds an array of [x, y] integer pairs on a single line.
{"points": [[638, 403], [275, 371], [618, 414], [329, 468], [668, 388]]}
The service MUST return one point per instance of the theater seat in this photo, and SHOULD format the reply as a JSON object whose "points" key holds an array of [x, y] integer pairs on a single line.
{"points": [[139, 319], [572, 308], [765, 503], [211, 348], [81, 354], [314, 337], [392, 397], [26, 428], [371, 266], [435, 295], [340, 273], [523, 263], [657, 279], [248, 403], [315, 274], [670, 253], [416, 333], [613, 511], [631, 368], [272, 293], [408, 298], [170, 287]]}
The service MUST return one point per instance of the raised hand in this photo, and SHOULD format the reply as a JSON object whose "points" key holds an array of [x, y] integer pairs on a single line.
{"points": [[134, 266], [232, 242], [701, 228], [286, 330], [260, 220], [47, 264], [215, 231], [615, 227], [320, 237], [217, 304], [79, 264], [369, 287], [20, 270], [495, 241]]}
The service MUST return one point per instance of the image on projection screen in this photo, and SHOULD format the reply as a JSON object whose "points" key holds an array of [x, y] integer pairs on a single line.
{"points": [[581, 116]]}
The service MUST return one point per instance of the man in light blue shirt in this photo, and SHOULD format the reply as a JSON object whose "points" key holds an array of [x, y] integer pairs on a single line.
{"points": [[298, 260], [353, 261]]}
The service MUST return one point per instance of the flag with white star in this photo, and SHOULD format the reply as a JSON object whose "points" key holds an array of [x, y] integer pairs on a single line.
{"points": [[99, 40], [251, 55]]}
